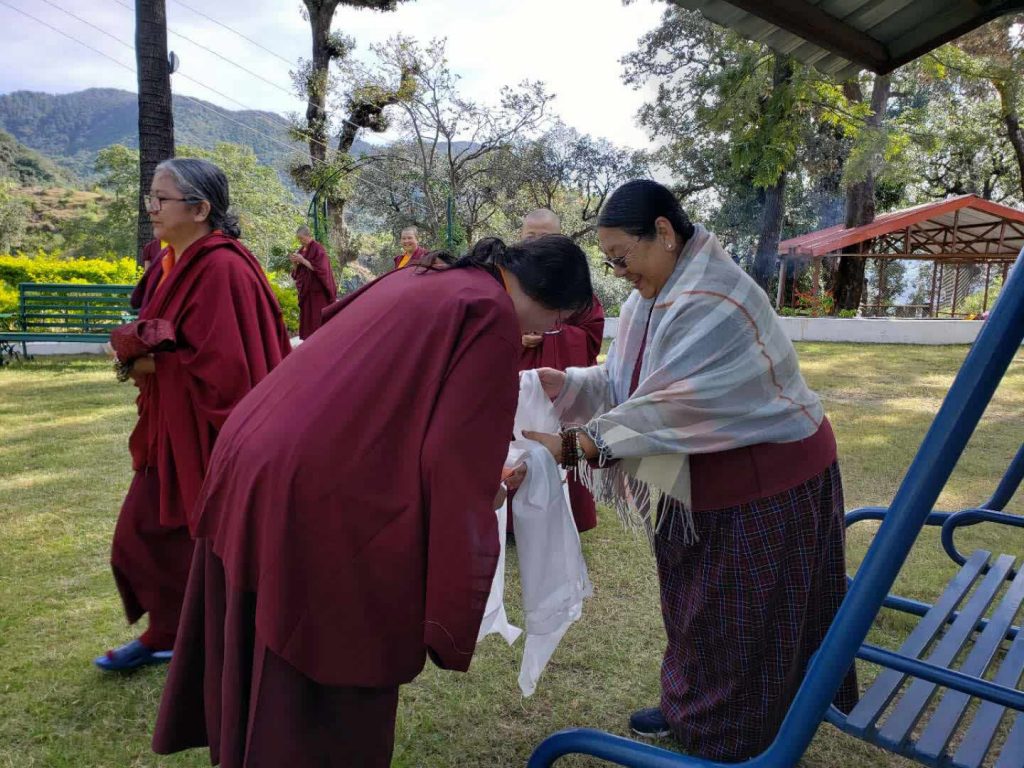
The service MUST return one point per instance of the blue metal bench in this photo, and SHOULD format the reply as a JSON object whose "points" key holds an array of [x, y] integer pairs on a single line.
{"points": [[925, 695], [989, 511]]}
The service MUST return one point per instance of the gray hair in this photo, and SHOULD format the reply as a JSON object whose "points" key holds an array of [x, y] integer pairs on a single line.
{"points": [[200, 180], [411, 228], [304, 231]]}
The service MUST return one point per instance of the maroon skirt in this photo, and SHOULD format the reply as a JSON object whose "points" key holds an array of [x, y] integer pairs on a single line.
{"points": [[745, 608], [150, 561], [228, 691]]}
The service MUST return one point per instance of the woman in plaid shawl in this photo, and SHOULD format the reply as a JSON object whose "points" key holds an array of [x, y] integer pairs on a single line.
{"points": [[700, 428]]}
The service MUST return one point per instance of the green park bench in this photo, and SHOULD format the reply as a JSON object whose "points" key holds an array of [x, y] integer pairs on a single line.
{"points": [[76, 312]]}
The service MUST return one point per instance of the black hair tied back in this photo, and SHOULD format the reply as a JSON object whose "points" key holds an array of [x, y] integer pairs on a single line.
{"points": [[552, 269], [637, 204]]}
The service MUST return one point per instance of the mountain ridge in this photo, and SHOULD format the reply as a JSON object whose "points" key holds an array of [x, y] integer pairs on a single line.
{"points": [[71, 128]]}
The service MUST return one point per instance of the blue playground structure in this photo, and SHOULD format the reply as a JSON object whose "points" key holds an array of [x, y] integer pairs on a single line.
{"points": [[939, 699]]}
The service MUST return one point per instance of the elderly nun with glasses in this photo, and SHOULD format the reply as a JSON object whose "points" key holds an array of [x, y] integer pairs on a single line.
{"points": [[209, 330], [701, 429]]}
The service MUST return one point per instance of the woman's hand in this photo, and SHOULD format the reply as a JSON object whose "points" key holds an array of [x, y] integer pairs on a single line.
{"points": [[142, 367], [552, 442], [531, 340], [552, 381], [499, 499], [514, 476]]}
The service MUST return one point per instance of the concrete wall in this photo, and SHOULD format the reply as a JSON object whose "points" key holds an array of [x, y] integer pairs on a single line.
{"points": [[881, 330], [859, 330], [866, 330], [79, 348], [63, 348]]}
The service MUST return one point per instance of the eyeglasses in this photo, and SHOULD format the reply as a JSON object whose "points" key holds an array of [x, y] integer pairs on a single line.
{"points": [[619, 262], [156, 203]]}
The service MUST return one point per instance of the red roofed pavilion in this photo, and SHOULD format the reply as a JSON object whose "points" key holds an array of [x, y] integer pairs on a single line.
{"points": [[962, 236]]}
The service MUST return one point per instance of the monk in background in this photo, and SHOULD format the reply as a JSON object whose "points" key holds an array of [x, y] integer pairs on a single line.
{"points": [[209, 329], [314, 281], [412, 251], [575, 343]]}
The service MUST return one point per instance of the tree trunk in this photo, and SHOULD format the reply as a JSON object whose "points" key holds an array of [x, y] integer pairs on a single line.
{"points": [[833, 149], [156, 119], [341, 238], [848, 285], [766, 254], [774, 201], [321, 14], [1016, 137]]}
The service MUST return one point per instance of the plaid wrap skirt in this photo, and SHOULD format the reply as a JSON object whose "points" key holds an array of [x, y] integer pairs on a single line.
{"points": [[745, 608]]}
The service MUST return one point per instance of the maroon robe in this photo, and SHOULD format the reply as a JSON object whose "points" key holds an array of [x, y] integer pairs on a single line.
{"points": [[576, 345], [346, 525], [414, 259], [147, 283], [229, 334], [315, 286]]}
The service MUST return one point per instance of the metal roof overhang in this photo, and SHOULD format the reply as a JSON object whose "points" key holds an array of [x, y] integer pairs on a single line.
{"points": [[842, 37]]}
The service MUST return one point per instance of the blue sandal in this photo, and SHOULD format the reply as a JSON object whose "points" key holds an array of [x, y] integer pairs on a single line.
{"points": [[130, 656]]}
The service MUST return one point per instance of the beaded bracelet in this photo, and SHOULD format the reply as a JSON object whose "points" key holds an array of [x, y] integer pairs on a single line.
{"points": [[572, 453], [122, 370]]}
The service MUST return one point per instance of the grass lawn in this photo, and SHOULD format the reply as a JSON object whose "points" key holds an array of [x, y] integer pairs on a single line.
{"points": [[64, 468]]}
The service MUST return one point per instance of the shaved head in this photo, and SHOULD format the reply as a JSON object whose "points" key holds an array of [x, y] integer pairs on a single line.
{"points": [[540, 222], [305, 235]]}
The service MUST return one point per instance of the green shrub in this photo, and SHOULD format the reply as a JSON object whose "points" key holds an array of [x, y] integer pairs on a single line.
{"points": [[43, 267], [50, 268], [8, 306], [278, 260], [287, 298], [975, 303]]}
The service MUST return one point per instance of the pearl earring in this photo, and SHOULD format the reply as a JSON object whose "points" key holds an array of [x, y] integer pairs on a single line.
{"points": [[668, 246]]}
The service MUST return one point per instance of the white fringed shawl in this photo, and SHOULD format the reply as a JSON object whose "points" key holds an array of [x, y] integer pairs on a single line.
{"points": [[718, 372]]}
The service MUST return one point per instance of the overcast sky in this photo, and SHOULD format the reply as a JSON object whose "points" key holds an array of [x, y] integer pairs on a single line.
{"points": [[572, 45]]}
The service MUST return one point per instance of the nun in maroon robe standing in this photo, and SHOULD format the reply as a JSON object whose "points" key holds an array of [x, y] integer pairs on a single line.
{"points": [[575, 343], [314, 282], [210, 328], [346, 527]]}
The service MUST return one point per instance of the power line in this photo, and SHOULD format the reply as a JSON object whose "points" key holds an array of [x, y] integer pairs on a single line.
{"points": [[65, 34], [197, 101], [131, 47], [235, 64], [260, 77], [233, 31], [133, 71]]}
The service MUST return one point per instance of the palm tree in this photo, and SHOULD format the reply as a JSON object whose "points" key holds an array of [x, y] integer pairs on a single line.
{"points": [[156, 120]]}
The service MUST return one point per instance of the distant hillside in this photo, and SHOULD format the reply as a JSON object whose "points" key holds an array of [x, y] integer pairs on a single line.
{"points": [[27, 167], [71, 128], [51, 209]]}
